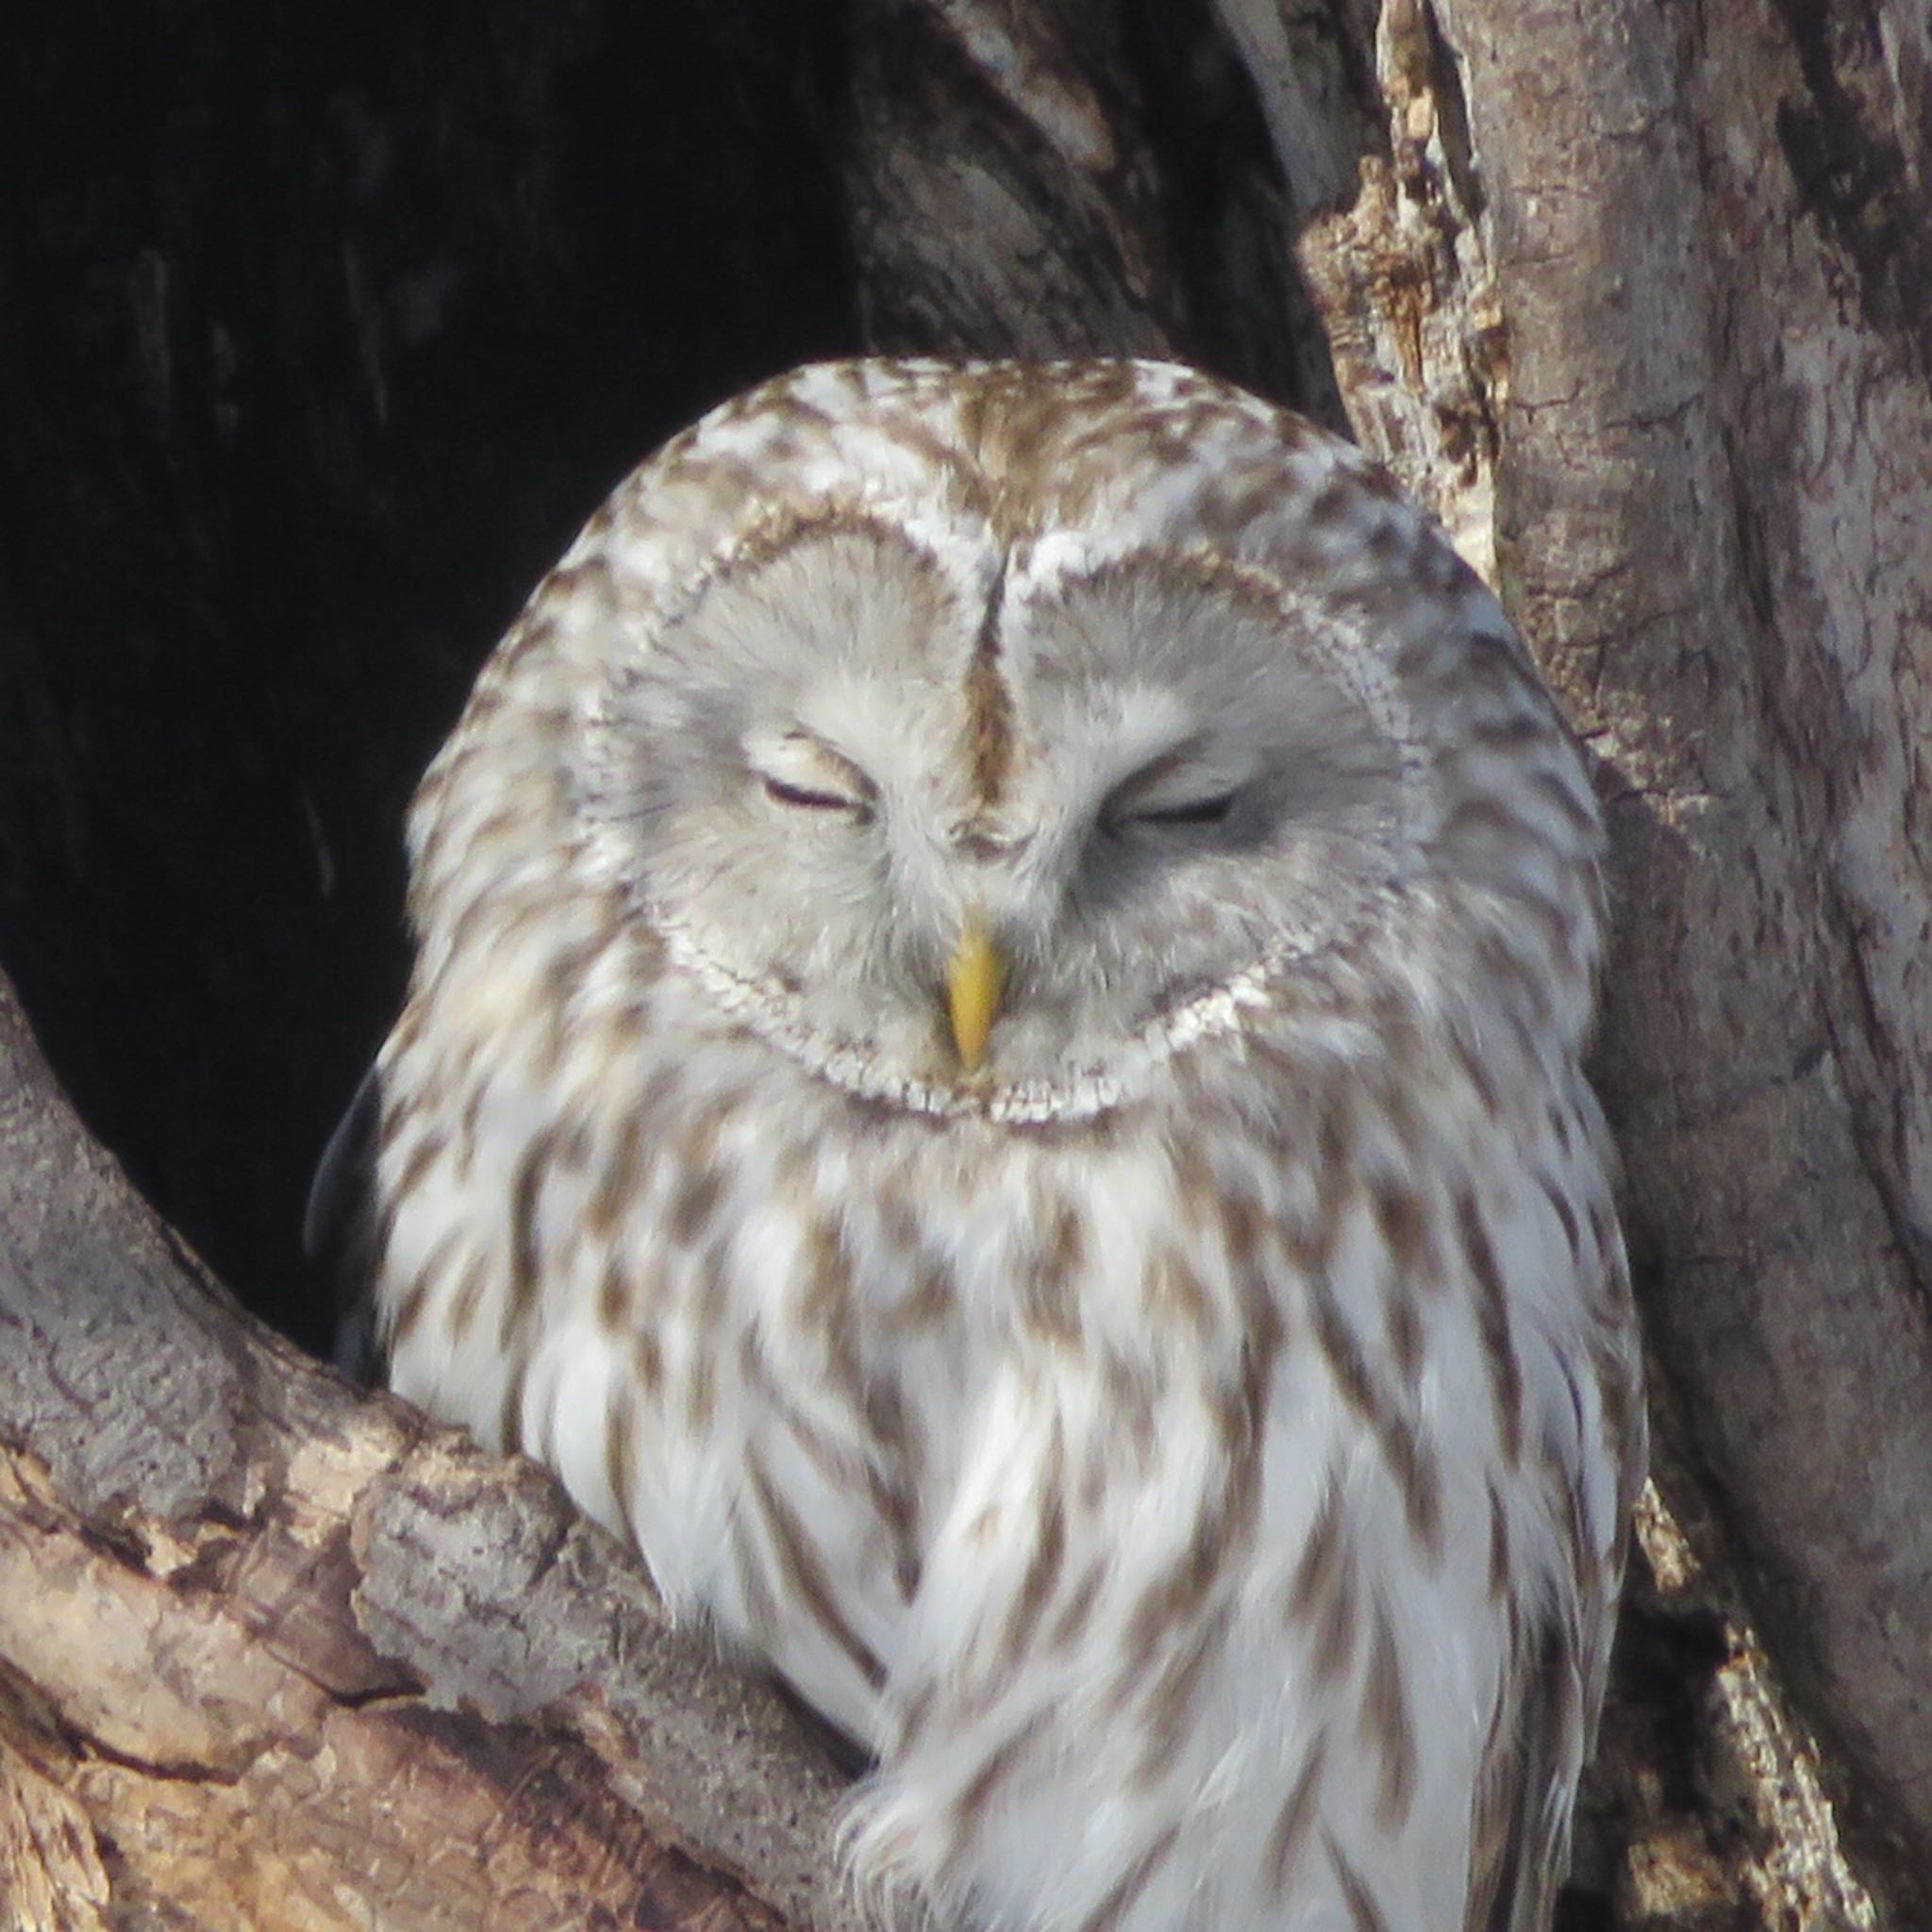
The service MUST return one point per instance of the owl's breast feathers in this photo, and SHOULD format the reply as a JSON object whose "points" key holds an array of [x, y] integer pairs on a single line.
{"points": [[1198, 1423]]}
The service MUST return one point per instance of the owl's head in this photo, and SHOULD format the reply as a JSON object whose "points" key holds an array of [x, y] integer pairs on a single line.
{"points": [[981, 735]]}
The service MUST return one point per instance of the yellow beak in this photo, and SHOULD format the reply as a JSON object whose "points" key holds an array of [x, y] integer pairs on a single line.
{"points": [[975, 979]]}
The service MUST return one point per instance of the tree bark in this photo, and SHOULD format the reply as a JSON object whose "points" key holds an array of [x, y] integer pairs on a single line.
{"points": [[1638, 300], [1712, 516]]}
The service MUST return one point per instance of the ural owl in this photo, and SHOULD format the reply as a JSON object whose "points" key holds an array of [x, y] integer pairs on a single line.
{"points": [[991, 1077]]}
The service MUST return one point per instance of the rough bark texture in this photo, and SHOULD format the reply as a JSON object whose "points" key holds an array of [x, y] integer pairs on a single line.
{"points": [[1713, 505], [1011, 125], [1639, 299]]}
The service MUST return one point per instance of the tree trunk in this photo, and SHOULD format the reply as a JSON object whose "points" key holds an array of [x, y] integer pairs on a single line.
{"points": [[1638, 299]]}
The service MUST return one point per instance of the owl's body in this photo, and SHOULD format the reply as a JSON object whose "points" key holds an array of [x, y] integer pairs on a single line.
{"points": [[992, 1077]]}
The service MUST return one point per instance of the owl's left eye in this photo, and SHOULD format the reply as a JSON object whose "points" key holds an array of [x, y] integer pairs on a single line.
{"points": [[1187, 786], [1210, 810]]}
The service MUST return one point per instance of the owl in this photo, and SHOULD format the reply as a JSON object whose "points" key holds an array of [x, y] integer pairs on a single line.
{"points": [[991, 1077]]}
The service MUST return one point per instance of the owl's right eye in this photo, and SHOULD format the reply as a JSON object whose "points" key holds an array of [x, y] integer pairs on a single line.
{"points": [[803, 773], [806, 800]]}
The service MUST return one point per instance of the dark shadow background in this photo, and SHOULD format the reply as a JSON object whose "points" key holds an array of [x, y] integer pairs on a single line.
{"points": [[322, 328]]}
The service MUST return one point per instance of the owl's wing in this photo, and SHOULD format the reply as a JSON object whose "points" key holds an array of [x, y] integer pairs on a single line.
{"points": [[1520, 1846], [337, 1224]]}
